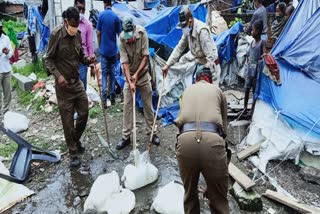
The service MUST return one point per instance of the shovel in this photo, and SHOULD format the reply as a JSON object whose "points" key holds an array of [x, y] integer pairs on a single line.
{"points": [[103, 142], [156, 115]]}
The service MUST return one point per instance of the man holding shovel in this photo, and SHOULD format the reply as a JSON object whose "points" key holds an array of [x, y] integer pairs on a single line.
{"points": [[134, 53]]}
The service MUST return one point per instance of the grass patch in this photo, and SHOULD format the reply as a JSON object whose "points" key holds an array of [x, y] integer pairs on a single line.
{"points": [[40, 143], [63, 147], [8, 149], [38, 68], [95, 111]]}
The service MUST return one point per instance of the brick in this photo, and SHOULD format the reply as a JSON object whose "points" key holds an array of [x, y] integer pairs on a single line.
{"points": [[25, 84]]}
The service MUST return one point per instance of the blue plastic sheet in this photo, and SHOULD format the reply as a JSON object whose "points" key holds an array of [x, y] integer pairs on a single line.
{"points": [[296, 98], [225, 42], [163, 28]]}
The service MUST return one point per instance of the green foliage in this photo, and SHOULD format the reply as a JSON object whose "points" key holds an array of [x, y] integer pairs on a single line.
{"points": [[16, 26], [235, 21], [7, 149], [95, 111], [37, 68]]}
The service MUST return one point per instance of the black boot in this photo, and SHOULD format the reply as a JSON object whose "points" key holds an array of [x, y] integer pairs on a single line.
{"points": [[74, 161], [155, 140], [122, 143]]}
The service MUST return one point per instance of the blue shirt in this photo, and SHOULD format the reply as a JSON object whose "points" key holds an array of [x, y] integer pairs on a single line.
{"points": [[109, 25]]}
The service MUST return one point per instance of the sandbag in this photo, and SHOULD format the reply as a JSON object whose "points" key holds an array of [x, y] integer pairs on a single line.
{"points": [[106, 195], [92, 94], [15, 122], [169, 199], [141, 174]]}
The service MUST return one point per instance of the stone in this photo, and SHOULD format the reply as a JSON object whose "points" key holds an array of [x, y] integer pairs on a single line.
{"points": [[24, 83], [310, 174], [76, 201], [307, 159], [249, 201], [21, 63], [237, 130]]}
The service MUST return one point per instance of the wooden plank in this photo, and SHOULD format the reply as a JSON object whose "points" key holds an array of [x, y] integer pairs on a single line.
{"points": [[303, 208], [245, 182], [249, 151]]}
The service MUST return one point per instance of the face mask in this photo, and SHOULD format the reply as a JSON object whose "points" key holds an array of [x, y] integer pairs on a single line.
{"points": [[81, 16], [72, 31], [186, 31]]}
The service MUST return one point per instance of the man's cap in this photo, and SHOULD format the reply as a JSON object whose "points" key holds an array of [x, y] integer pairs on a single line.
{"points": [[184, 16], [128, 27], [202, 69], [0, 24]]}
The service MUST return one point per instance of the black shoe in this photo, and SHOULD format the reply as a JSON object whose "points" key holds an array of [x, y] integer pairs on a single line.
{"points": [[113, 102], [104, 104], [155, 140], [74, 161], [122, 143], [81, 148]]}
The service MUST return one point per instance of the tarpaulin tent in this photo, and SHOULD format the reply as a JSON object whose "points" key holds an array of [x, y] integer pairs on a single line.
{"points": [[293, 122]]}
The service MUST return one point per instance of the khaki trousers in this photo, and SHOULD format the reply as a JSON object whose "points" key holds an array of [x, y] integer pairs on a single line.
{"points": [[70, 99], [5, 89], [209, 158], [146, 95]]}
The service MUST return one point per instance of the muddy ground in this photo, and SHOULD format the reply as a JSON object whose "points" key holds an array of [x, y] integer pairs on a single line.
{"points": [[61, 189]]}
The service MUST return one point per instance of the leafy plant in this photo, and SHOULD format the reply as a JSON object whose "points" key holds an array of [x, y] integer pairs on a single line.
{"points": [[95, 111], [235, 21], [7, 149], [17, 26]]}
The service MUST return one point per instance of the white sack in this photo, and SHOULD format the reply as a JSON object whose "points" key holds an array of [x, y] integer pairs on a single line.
{"points": [[242, 54], [169, 199], [144, 173], [11, 193], [106, 195], [15, 122], [92, 94]]}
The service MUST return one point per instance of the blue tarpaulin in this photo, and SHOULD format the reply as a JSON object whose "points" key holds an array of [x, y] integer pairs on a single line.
{"points": [[163, 28], [297, 53]]}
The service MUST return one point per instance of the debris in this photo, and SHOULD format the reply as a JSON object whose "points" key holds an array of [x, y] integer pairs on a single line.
{"points": [[244, 181], [308, 159], [76, 201], [55, 137], [249, 201], [25, 84], [33, 76], [169, 199], [271, 211], [41, 169], [294, 204], [53, 99], [20, 64], [310, 174], [109, 198], [48, 108], [237, 130], [249, 151], [38, 85], [15, 122]]}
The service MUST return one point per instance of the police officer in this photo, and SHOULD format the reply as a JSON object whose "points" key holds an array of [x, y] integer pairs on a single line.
{"points": [[134, 54], [62, 59], [200, 146], [197, 37]]}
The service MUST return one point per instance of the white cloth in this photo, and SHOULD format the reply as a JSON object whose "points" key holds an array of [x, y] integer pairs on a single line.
{"points": [[5, 65]]}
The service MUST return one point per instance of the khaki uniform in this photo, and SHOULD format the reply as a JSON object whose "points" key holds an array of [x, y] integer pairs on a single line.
{"points": [[203, 102], [202, 47], [62, 58], [133, 54]]}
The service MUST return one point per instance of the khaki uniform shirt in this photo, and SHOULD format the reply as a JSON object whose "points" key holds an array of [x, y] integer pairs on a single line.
{"points": [[64, 54], [134, 52], [203, 102], [200, 44]]}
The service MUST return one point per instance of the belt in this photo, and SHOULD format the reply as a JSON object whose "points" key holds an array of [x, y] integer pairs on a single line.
{"points": [[202, 126]]}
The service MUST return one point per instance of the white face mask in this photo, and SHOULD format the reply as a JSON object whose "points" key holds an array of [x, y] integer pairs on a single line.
{"points": [[186, 31], [81, 16]]}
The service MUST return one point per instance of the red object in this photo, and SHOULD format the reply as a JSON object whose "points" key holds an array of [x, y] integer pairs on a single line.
{"points": [[15, 56], [39, 84], [272, 65]]}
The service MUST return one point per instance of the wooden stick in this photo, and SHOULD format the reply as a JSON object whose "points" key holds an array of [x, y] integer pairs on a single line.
{"points": [[134, 134], [249, 151], [156, 115], [245, 182], [303, 208]]}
